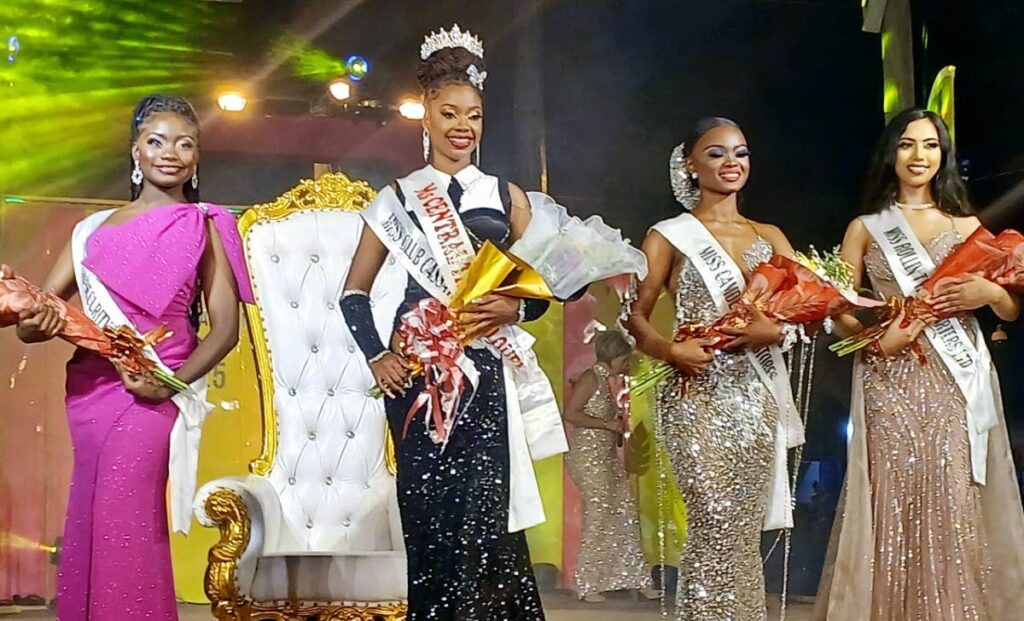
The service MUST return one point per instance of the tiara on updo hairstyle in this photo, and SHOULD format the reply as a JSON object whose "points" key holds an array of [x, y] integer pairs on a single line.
{"points": [[452, 57]]}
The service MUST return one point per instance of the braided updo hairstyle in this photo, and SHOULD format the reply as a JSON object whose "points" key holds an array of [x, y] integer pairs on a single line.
{"points": [[154, 104], [446, 66]]}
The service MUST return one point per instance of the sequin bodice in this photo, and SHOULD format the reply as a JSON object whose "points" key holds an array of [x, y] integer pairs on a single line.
{"points": [[880, 273], [694, 304], [601, 404], [693, 301]]}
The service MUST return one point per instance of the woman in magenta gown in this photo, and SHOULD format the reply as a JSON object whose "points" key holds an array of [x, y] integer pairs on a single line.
{"points": [[155, 256]]}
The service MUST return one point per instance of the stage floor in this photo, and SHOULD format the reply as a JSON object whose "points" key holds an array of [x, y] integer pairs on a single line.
{"points": [[558, 607]]}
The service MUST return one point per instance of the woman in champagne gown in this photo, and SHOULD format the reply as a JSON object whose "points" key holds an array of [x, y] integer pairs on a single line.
{"points": [[610, 557], [918, 537]]}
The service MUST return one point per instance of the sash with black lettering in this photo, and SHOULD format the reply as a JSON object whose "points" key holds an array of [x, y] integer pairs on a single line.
{"points": [[968, 362], [725, 282]]}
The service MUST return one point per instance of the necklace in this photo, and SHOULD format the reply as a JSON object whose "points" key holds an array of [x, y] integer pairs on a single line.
{"points": [[914, 207]]}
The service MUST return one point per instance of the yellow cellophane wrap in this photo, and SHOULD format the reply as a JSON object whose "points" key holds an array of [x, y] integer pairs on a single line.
{"points": [[494, 271]]}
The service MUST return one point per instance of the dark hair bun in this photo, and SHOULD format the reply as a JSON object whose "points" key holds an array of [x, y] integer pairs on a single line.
{"points": [[448, 66]]}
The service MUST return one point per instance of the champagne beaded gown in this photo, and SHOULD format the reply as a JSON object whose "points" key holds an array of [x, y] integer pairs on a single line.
{"points": [[916, 538], [610, 558], [720, 439]]}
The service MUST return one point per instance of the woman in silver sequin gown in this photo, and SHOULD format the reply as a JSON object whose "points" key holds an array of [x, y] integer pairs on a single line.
{"points": [[720, 432], [916, 538], [610, 556]]}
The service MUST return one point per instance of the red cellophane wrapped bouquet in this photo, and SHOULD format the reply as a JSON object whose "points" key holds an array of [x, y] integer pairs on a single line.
{"points": [[810, 289], [998, 258], [119, 344]]}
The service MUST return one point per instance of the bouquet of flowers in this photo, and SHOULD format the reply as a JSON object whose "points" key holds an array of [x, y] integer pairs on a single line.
{"points": [[998, 258], [1010, 273], [492, 271], [120, 344], [556, 256], [810, 289]]}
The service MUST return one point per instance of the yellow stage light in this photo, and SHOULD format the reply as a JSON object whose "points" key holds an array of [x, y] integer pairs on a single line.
{"points": [[232, 101], [339, 89], [411, 109]]}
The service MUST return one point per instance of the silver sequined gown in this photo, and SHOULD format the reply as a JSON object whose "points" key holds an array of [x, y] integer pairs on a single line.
{"points": [[720, 439], [931, 560], [610, 558]]}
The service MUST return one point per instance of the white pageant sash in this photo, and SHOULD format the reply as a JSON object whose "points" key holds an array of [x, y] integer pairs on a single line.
{"points": [[725, 282], [445, 233], [193, 408], [969, 363], [437, 256]]}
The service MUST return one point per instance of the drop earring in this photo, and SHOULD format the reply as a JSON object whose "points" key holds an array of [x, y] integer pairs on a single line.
{"points": [[137, 174], [426, 145]]}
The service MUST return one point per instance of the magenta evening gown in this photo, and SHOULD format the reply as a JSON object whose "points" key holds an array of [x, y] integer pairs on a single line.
{"points": [[116, 560]]}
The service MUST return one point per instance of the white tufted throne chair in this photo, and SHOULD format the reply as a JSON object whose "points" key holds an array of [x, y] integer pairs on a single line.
{"points": [[313, 532]]}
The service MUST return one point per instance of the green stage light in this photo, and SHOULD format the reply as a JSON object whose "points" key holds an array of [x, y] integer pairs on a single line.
{"points": [[318, 65], [940, 100], [71, 73]]}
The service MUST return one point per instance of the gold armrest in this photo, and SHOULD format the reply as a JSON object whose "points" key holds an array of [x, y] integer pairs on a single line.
{"points": [[228, 511]]}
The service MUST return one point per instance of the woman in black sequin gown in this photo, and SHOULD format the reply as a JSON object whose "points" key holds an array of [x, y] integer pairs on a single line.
{"points": [[464, 564]]}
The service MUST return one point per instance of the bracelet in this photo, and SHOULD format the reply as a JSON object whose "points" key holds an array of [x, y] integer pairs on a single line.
{"points": [[791, 333], [378, 356]]}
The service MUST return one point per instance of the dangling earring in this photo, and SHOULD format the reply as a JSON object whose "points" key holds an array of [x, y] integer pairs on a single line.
{"points": [[195, 179], [137, 174], [478, 155], [426, 145]]}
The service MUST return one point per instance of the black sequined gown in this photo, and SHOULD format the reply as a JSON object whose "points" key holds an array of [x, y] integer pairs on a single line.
{"points": [[464, 565]]}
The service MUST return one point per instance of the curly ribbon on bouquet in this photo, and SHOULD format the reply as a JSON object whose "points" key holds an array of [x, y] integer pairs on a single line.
{"points": [[428, 339]]}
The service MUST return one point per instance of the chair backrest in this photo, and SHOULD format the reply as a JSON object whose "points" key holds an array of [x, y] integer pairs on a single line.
{"points": [[324, 440]]}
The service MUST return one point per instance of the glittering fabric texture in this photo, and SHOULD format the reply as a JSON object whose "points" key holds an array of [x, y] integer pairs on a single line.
{"points": [[610, 557], [463, 563], [931, 561], [116, 561], [720, 441]]}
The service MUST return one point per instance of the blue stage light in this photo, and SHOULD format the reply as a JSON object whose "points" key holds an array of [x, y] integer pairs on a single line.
{"points": [[357, 67]]}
